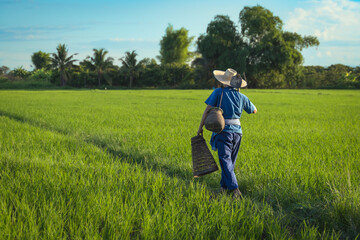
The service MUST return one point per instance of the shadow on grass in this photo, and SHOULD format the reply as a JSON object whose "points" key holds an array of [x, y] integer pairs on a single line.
{"points": [[293, 211], [143, 159]]}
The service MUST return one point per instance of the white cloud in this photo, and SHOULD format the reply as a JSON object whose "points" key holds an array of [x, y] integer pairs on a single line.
{"points": [[327, 56], [327, 19], [334, 22], [328, 53], [128, 40], [29, 37]]}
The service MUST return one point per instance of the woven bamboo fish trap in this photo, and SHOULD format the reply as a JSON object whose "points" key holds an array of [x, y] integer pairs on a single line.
{"points": [[203, 160]]}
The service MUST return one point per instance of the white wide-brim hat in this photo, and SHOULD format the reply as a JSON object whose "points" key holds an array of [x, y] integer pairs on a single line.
{"points": [[230, 78]]}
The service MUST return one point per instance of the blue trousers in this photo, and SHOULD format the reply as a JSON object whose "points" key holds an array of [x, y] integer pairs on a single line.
{"points": [[228, 145]]}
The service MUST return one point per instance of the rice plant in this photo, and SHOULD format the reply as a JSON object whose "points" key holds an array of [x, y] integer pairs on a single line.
{"points": [[95, 164]]}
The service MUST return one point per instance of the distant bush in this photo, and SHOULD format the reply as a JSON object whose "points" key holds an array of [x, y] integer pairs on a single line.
{"points": [[336, 76], [82, 79], [182, 76], [3, 79], [41, 75], [24, 84], [18, 73], [20, 78]]}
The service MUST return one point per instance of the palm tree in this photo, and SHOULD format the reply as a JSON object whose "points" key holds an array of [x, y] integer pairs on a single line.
{"points": [[62, 62], [99, 63], [130, 63]]}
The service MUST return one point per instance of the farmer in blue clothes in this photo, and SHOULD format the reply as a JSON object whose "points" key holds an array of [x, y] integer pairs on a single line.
{"points": [[227, 142]]}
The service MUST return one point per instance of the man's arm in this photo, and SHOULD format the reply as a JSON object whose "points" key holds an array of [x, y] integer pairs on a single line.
{"points": [[249, 107], [200, 130]]}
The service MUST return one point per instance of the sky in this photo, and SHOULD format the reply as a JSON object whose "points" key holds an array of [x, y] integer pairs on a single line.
{"points": [[28, 26]]}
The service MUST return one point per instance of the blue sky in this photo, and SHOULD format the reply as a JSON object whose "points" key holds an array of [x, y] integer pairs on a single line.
{"points": [[27, 26]]}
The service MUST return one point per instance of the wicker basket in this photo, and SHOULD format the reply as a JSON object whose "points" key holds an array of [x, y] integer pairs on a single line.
{"points": [[214, 121], [203, 160]]}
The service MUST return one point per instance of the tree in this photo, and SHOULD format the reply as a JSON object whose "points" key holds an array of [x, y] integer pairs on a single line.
{"points": [[270, 49], [4, 70], [174, 46], [131, 65], [19, 73], [41, 60], [313, 76], [335, 75], [99, 63], [221, 47], [63, 62], [152, 74]]}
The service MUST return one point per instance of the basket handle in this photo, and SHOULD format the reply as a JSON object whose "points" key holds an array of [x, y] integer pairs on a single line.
{"points": [[222, 92]]}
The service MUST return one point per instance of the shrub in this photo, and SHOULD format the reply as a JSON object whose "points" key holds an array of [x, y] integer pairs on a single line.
{"points": [[41, 75], [18, 73]]}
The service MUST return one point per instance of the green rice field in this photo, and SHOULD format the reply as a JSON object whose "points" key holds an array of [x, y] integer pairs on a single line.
{"points": [[116, 164]]}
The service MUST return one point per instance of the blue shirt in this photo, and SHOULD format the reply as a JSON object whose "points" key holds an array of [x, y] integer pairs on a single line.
{"points": [[233, 103]]}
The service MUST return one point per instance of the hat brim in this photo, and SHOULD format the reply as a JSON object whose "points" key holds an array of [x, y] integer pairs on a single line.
{"points": [[219, 75]]}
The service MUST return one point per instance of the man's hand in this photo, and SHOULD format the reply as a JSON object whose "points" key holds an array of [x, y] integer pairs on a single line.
{"points": [[200, 131], [255, 111]]}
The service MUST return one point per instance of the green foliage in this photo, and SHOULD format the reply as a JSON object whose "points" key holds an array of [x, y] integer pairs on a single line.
{"points": [[178, 75], [131, 65], [151, 74], [263, 50], [41, 60], [25, 84], [258, 22], [19, 73], [270, 79], [82, 78], [334, 76], [38, 79], [41, 75], [174, 46], [294, 77], [79, 165], [271, 50], [202, 75], [221, 47], [4, 70], [165, 76], [63, 63], [99, 64], [270, 57]]}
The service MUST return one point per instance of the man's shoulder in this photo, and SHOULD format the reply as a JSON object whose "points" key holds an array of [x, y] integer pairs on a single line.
{"points": [[217, 91], [243, 95]]}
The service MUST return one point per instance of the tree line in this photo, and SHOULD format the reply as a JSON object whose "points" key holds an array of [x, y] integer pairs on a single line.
{"points": [[270, 57]]}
